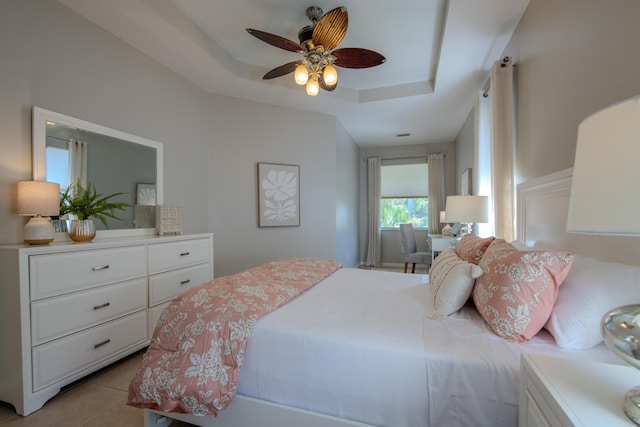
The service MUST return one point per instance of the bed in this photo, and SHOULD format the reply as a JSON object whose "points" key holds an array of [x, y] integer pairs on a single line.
{"points": [[373, 348]]}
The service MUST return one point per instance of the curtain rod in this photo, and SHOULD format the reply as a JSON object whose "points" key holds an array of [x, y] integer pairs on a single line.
{"points": [[425, 157], [58, 138], [505, 61]]}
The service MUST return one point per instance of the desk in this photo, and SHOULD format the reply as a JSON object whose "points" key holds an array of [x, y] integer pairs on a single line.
{"points": [[438, 243]]}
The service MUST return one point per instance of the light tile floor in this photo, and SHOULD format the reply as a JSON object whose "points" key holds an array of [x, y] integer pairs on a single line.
{"points": [[98, 401]]}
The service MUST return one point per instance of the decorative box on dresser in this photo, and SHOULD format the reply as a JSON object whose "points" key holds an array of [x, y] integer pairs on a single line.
{"points": [[568, 392], [68, 309]]}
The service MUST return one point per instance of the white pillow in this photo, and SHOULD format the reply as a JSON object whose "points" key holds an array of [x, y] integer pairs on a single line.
{"points": [[591, 288], [451, 280]]}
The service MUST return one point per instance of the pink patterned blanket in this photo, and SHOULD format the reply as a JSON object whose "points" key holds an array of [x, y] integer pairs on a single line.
{"points": [[192, 364]]}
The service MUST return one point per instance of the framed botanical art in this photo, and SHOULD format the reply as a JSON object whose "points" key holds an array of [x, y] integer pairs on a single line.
{"points": [[146, 194], [278, 195]]}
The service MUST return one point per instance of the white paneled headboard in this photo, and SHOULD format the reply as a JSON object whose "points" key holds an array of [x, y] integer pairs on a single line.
{"points": [[542, 209]]}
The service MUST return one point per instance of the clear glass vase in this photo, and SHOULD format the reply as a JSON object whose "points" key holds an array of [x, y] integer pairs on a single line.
{"points": [[82, 230]]}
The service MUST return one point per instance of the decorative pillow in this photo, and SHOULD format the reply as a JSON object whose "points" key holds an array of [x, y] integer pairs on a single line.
{"points": [[518, 289], [471, 247], [451, 281], [591, 289]]}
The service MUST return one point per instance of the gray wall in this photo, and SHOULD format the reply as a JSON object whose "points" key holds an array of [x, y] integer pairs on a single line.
{"points": [[465, 153], [574, 57], [57, 60]]}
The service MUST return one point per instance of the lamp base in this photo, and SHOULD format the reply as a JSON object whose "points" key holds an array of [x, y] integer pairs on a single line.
{"points": [[446, 230], [38, 231], [631, 404]]}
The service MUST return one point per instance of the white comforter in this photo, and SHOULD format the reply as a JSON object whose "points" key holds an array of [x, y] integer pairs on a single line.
{"points": [[361, 345]]}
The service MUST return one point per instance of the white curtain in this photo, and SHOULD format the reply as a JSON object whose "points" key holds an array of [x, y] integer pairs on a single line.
{"points": [[436, 191], [373, 211], [78, 162], [502, 149]]}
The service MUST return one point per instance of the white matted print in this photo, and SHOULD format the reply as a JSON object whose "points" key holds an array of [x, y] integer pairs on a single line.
{"points": [[278, 195], [146, 195]]}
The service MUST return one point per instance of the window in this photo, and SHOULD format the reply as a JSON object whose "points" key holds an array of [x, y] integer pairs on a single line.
{"points": [[57, 166], [403, 193]]}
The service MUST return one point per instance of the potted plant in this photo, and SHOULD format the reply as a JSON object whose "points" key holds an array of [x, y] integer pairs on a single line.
{"points": [[84, 204]]}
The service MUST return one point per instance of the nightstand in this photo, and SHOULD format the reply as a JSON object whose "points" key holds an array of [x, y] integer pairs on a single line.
{"points": [[438, 243], [568, 392]]}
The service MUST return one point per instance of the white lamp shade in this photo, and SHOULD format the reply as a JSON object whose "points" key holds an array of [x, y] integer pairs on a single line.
{"points": [[443, 216], [604, 197], [467, 209], [38, 198]]}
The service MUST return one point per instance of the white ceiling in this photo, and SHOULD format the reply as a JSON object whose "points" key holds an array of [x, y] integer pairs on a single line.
{"points": [[438, 55]]}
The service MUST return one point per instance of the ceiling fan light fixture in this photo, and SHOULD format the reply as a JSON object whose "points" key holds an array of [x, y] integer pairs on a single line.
{"points": [[318, 43], [301, 75], [313, 87], [330, 75]]}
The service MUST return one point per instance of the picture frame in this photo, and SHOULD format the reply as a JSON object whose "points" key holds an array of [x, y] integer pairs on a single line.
{"points": [[278, 195], [465, 183], [145, 194]]}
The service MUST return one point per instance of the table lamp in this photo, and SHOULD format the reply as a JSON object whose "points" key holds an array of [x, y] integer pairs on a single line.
{"points": [[446, 230], [467, 210], [604, 200], [38, 198]]}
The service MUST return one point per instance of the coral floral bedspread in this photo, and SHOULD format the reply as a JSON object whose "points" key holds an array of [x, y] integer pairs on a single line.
{"points": [[192, 364]]}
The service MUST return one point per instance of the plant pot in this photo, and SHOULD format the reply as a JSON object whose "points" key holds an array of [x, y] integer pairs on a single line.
{"points": [[82, 230]]}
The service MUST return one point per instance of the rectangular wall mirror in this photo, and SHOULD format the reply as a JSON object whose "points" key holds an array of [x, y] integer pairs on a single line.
{"points": [[66, 148]]}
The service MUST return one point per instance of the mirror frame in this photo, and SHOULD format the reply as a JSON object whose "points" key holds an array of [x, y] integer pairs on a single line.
{"points": [[39, 145]]}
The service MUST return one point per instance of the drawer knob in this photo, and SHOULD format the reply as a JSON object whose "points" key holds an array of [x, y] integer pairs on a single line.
{"points": [[185, 282], [98, 307], [104, 267], [185, 253], [100, 344]]}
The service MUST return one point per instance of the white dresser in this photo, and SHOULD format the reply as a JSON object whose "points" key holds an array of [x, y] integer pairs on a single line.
{"points": [[69, 309]]}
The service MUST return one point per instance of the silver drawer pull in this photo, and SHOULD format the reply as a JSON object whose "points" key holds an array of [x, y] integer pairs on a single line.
{"points": [[104, 267], [185, 282], [100, 344], [185, 253], [98, 307]]}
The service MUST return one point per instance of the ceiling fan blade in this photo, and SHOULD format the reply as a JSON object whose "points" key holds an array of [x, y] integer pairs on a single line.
{"points": [[331, 28], [282, 70], [275, 40], [355, 57]]}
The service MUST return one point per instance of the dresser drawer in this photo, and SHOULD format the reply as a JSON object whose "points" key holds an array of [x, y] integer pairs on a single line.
{"points": [[166, 286], [55, 317], [61, 273], [154, 315], [62, 358], [181, 253]]}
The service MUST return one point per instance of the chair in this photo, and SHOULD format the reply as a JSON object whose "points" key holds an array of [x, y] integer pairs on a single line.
{"points": [[411, 254]]}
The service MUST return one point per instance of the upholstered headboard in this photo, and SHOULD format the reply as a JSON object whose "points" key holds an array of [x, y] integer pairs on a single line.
{"points": [[542, 209]]}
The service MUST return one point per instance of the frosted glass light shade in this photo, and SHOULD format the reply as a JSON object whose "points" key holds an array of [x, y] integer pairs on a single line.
{"points": [[301, 75], [330, 75], [467, 209], [604, 199], [313, 87]]}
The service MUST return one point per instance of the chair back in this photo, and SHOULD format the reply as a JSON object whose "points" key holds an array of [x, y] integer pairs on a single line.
{"points": [[408, 239]]}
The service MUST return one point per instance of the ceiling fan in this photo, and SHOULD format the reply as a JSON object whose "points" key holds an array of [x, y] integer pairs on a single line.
{"points": [[317, 43]]}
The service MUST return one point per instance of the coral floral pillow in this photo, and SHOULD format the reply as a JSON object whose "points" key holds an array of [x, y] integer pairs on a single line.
{"points": [[471, 247], [518, 289]]}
